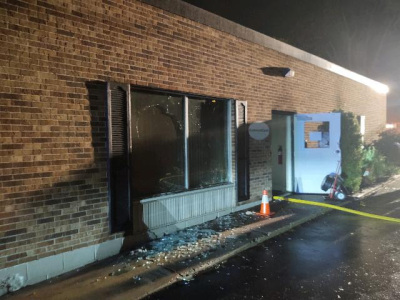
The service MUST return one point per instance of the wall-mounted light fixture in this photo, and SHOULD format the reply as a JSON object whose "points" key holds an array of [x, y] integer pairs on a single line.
{"points": [[289, 73], [277, 71]]}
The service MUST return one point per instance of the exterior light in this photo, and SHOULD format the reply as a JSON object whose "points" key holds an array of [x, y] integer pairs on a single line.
{"points": [[278, 71], [376, 86], [289, 73]]}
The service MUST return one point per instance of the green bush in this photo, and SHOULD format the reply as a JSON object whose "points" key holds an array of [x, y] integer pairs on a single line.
{"points": [[351, 148], [389, 145], [378, 161], [375, 166]]}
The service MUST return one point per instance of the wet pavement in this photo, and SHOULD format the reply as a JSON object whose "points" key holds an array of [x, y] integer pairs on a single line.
{"points": [[339, 256], [280, 263]]}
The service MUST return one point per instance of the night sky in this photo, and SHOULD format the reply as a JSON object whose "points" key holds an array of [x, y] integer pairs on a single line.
{"points": [[360, 35]]}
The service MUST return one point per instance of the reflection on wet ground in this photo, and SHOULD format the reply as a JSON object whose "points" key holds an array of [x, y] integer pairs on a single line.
{"points": [[338, 256]]}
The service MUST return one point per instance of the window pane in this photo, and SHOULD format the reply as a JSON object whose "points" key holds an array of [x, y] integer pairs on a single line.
{"points": [[208, 163], [157, 144], [316, 134]]}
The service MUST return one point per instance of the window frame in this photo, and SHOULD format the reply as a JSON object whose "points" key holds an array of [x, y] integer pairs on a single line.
{"points": [[185, 99]]}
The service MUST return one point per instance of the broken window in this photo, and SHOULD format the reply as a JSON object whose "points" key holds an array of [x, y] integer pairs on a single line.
{"points": [[207, 142], [157, 144], [178, 143]]}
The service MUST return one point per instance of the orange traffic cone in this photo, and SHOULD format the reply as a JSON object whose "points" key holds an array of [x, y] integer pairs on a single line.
{"points": [[265, 210]]}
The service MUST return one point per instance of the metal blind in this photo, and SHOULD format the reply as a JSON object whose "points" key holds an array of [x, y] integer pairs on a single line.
{"points": [[242, 148], [119, 122], [118, 161]]}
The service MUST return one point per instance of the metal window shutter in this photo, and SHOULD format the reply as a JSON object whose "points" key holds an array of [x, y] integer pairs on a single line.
{"points": [[242, 148], [118, 160]]}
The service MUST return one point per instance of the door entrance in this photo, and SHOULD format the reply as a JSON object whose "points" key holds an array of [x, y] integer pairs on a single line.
{"points": [[282, 152], [316, 150], [304, 148]]}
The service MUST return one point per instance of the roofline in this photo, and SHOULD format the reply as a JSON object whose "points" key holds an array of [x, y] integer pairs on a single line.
{"points": [[207, 18]]}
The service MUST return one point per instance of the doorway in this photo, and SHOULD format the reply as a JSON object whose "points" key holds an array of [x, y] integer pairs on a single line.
{"points": [[316, 150], [282, 152], [304, 149]]}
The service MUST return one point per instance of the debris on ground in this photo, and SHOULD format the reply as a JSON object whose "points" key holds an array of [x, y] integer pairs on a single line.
{"points": [[187, 245], [179, 245], [185, 277]]}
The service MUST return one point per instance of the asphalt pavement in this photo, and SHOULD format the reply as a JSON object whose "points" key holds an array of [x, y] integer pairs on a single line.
{"points": [[339, 256]]}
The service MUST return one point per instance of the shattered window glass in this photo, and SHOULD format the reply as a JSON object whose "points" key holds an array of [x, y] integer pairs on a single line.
{"points": [[158, 158], [157, 144], [207, 142]]}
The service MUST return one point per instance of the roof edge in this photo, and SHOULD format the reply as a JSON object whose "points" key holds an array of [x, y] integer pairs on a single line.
{"points": [[212, 20]]}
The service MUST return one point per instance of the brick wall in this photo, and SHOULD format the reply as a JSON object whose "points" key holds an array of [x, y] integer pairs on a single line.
{"points": [[53, 187]]}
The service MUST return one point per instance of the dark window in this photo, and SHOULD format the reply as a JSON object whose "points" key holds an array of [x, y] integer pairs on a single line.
{"points": [[208, 160], [158, 158], [178, 143], [161, 142]]}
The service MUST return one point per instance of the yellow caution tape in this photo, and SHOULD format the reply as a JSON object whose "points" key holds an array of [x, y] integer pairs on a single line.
{"points": [[352, 211]]}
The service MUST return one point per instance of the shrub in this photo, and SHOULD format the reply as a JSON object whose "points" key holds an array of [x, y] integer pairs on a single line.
{"points": [[389, 145], [351, 148], [375, 166]]}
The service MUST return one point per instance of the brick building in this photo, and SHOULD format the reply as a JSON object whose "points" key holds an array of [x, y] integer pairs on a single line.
{"points": [[123, 119]]}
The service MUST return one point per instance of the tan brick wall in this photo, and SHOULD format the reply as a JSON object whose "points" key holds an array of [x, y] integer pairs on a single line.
{"points": [[53, 188]]}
